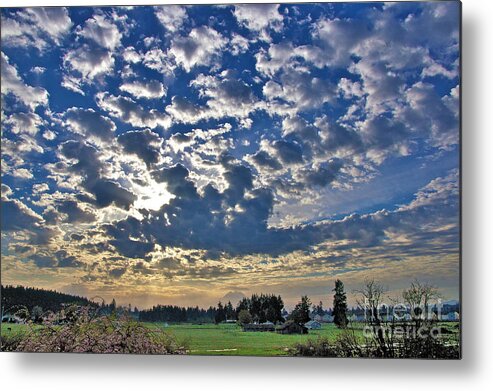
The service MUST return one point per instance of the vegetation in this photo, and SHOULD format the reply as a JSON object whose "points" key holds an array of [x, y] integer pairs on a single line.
{"points": [[422, 337], [301, 312], [172, 313], [340, 305], [244, 317], [263, 308], [15, 297], [177, 330], [83, 330]]}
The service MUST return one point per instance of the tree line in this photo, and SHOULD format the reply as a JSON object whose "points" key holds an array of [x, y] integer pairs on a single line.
{"points": [[173, 313], [14, 297]]}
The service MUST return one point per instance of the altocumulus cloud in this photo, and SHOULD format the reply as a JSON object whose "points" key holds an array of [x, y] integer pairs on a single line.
{"points": [[228, 132]]}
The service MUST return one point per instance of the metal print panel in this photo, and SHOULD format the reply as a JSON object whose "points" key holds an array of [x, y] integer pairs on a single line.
{"points": [[263, 179]]}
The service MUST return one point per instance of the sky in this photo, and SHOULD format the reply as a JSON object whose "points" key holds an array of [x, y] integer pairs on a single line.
{"points": [[187, 154]]}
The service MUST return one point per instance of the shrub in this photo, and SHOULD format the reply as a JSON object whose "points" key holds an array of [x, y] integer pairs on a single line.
{"points": [[244, 317], [81, 330]]}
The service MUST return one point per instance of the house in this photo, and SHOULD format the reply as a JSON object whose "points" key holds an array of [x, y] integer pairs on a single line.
{"points": [[453, 316], [318, 318], [327, 318], [268, 323], [357, 318], [313, 325], [258, 327], [8, 318], [291, 327]]}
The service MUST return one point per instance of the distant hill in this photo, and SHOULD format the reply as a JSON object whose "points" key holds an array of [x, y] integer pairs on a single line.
{"points": [[16, 296]]}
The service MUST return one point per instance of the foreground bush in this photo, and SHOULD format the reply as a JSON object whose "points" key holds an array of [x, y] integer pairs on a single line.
{"points": [[347, 345], [81, 330]]}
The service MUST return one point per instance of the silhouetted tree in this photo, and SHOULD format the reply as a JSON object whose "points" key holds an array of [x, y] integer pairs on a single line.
{"points": [[340, 305], [301, 312]]}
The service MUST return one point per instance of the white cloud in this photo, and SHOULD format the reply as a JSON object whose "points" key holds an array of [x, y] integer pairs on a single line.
{"points": [[102, 32], [126, 110], [198, 48], [227, 96], [49, 135], [40, 188], [152, 89], [12, 83], [38, 70], [257, 17], [89, 123], [171, 17], [22, 173], [158, 60], [130, 55], [88, 63], [37, 27], [24, 123]]}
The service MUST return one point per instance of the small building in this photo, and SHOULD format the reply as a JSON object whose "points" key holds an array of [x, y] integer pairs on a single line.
{"points": [[258, 327], [9, 318], [291, 327], [313, 325], [327, 318], [453, 316]]}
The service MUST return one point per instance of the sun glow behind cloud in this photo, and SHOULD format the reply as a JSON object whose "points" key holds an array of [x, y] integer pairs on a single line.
{"points": [[233, 148]]}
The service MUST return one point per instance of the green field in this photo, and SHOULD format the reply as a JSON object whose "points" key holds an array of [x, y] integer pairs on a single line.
{"points": [[229, 339]]}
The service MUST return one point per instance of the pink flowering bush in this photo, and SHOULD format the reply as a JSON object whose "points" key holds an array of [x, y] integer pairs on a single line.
{"points": [[82, 330]]}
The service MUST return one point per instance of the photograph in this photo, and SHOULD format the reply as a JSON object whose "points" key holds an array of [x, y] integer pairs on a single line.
{"points": [[263, 179]]}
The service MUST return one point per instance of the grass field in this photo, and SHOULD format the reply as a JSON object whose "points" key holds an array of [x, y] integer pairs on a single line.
{"points": [[229, 339]]}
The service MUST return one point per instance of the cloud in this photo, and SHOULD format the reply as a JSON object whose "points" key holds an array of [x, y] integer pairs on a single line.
{"points": [[227, 96], [68, 211], [28, 123], [12, 83], [257, 17], [102, 32], [301, 89], [105, 192], [88, 62], [37, 27], [171, 17], [126, 110], [89, 123], [200, 47], [141, 89], [22, 173], [235, 221], [143, 143]]}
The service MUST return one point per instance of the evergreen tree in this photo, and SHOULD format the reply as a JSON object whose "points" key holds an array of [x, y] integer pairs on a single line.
{"points": [[220, 314], [340, 305], [301, 312]]}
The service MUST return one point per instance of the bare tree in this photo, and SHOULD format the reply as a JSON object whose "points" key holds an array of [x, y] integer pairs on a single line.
{"points": [[371, 296], [418, 298]]}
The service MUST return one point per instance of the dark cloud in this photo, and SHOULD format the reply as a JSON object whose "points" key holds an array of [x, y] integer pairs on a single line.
{"points": [[88, 122], [88, 164], [65, 260], [108, 192], [265, 160], [288, 152], [17, 216], [71, 213], [322, 175], [236, 221], [143, 143]]}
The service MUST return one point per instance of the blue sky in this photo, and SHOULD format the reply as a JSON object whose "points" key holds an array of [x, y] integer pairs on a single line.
{"points": [[178, 153]]}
